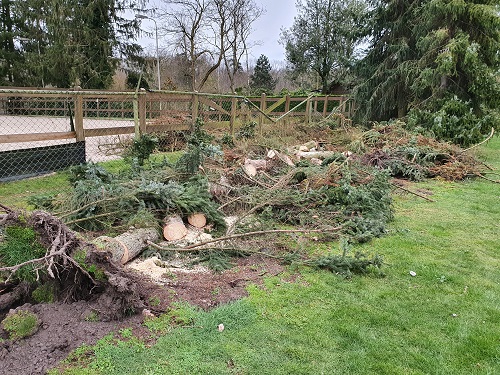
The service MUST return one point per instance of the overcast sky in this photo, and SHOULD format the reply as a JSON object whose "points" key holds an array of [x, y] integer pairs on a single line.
{"points": [[278, 14]]}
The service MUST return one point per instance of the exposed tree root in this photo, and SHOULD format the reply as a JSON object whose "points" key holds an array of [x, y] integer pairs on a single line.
{"points": [[79, 270]]}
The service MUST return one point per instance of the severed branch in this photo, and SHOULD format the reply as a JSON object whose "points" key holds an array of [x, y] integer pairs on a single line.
{"points": [[248, 234], [480, 143], [412, 192], [228, 249], [486, 178]]}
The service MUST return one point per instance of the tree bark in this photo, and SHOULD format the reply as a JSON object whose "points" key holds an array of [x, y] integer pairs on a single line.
{"points": [[128, 245]]}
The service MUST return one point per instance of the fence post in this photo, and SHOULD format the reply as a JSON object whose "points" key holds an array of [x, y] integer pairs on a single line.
{"points": [[142, 113], [80, 134], [263, 105], [234, 104], [194, 113], [308, 111], [325, 106], [137, 130], [287, 109]]}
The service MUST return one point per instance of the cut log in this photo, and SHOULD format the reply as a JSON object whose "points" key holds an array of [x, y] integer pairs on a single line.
{"points": [[128, 245], [316, 161], [174, 228], [271, 154], [285, 159], [197, 220], [250, 170], [311, 144], [259, 164]]}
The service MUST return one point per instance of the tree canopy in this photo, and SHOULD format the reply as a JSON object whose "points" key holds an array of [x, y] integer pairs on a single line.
{"points": [[65, 43], [437, 62], [208, 34], [323, 37]]}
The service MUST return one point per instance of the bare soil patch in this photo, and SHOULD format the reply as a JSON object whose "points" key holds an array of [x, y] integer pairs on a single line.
{"points": [[66, 326]]}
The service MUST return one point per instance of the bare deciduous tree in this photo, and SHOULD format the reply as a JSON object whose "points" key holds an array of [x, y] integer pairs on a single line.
{"points": [[243, 14], [208, 30]]}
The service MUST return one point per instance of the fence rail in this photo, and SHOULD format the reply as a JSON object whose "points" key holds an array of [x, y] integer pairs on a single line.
{"points": [[101, 120]]}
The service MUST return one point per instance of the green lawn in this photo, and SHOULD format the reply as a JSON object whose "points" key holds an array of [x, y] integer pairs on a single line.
{"points": [[444, 320]]}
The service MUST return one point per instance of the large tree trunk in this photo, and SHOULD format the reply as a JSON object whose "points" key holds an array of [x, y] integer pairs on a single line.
{"points": [[128, 245]]}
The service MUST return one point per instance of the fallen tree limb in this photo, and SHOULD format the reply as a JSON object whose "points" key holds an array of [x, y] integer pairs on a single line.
{"points": [[412, 192], [486, 178], [227, 249], [92, 217], [480, 143], [64, 214], [256, 233], [228, 203]]}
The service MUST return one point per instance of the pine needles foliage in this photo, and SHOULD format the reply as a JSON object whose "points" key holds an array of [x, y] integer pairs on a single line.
{"points": [[435, 63], [346, 265]]}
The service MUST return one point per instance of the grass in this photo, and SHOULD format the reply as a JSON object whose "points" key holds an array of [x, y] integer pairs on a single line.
{"points": [[16, 194], [20, 324], [443, 320]]}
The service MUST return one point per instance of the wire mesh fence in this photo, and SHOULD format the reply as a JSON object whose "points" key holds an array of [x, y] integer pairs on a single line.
{"points": [[44, 131]]}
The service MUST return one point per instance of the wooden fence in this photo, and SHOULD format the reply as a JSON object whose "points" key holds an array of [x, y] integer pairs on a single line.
{"points": [[151, 111], [46, 130]]}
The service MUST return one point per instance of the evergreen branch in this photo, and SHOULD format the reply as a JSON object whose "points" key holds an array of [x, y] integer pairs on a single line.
{"points": [[228, 249], [256, 233], [92, 217], [64, 214]]}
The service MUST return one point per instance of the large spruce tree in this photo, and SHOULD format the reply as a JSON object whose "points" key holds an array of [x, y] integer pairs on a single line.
{"points": [[436, 62], [66, 42]]}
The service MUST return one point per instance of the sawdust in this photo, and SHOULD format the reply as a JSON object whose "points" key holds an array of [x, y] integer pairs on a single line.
{"points": [[162, 272]]}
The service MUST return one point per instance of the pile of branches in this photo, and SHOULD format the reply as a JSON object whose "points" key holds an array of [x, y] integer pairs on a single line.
{"points": [[389, 146]]}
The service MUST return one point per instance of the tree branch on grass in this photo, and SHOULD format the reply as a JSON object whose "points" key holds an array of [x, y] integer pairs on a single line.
{"points": [[248, 234], [412, 192]]}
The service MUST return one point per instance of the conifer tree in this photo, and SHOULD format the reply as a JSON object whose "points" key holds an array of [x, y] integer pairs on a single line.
{"points": [[437, 62], [66, 42], [261, 80], [457, 88]]}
